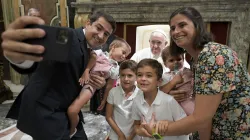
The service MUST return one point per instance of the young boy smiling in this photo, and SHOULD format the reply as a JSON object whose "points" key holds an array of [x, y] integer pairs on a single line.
{"points": [[120, 100], [151, 104]]}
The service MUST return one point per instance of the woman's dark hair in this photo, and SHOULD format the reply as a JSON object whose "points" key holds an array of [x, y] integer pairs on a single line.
{"points": [[202, 36]]}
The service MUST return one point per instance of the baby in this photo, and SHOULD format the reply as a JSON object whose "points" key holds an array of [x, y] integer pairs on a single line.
{"points": [[178, 78], [103, 64]]}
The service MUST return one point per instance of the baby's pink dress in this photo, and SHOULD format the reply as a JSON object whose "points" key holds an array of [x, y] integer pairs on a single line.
{"points": [[187, 105], [104, 67]]}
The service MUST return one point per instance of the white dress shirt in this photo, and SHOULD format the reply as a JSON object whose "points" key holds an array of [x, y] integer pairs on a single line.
{"points": [[164, 106], [122, 111]]}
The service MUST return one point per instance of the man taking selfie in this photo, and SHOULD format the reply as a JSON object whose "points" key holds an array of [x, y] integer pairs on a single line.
{"points": [[41, 106]]}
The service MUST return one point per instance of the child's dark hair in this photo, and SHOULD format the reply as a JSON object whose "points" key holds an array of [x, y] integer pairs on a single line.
{"points": [[97, 14], [118, 42], [154, 64], [128, 64], [166, 52]]}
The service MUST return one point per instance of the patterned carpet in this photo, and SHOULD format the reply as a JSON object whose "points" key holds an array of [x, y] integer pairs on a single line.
{"points": [[96, 128], [12, 133]]}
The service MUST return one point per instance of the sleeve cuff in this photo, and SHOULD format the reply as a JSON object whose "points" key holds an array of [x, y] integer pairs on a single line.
{"points": [[25, 65]]}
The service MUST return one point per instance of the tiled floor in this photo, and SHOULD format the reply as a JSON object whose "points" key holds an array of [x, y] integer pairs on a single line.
{"points": [[95, 125], [4, 122], [4, 107], [16, 89]]}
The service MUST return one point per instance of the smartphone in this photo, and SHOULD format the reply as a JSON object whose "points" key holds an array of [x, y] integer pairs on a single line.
{"points": [[57, 42]]}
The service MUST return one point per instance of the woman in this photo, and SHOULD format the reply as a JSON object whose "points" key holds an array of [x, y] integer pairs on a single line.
{"points": [[221, 83]]}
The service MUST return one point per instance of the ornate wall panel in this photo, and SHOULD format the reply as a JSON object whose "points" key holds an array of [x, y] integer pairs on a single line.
{"points": [[158, 11]]}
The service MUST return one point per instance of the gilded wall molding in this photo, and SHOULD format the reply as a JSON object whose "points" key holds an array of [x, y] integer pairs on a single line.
{"points": [[80, 20], [8, 15]]}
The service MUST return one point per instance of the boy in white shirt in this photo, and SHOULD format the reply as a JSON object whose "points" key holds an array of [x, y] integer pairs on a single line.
{"points": [[119, 103], [150, 100]]}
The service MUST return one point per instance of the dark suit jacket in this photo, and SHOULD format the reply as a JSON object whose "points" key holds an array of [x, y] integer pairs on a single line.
{"points": [[41, 108]]}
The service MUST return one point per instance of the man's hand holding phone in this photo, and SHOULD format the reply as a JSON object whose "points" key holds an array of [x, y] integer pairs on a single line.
{"points": [[28, 39], [13, 46], [57, 42]]}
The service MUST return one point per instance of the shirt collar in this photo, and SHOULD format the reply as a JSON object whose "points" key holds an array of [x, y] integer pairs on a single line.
{"points": [[88, 46], [157, 100], [133, 94]]}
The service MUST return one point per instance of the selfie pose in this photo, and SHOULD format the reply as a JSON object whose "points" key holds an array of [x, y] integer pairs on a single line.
{"points": [[102, 64], [41, 108], [221, 83]]}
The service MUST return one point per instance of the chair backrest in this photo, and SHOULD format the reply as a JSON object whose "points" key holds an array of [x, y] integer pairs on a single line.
{"points": [[143, 34]]}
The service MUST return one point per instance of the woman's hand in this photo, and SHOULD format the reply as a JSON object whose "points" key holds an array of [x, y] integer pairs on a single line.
{"points": [[162, 127], [141, 131], [179, 95], [159, 127]]}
